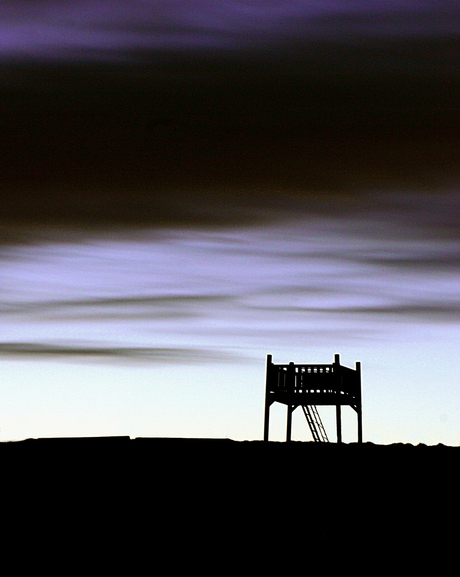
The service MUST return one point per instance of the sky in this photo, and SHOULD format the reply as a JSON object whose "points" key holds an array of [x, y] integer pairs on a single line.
{"points": [[188, 187]]}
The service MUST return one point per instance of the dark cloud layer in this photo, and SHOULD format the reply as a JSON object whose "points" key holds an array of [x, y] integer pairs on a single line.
{"points": [[123, 354], [154, 113], [110, 30], [155, 307]]}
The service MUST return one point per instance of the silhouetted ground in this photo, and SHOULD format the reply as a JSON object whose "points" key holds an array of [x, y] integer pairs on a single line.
{"points": [[99, 504]]}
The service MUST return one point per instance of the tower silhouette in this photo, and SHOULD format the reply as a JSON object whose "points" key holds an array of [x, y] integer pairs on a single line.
{"points": [[307, 386]]}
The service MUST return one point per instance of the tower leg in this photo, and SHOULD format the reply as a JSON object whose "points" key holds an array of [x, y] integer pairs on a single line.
{"points": [[266, 419], [360, 425], [267, 401], [290, 408], [359, 409], [338, 413]]}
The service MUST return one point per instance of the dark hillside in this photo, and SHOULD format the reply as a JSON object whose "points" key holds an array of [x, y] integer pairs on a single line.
{"points": [[222, 504]]}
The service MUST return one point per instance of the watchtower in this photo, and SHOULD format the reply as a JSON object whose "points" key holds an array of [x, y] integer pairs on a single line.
{"points": [[307, 386]]}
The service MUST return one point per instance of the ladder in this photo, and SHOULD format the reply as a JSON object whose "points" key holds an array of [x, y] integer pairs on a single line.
{"points": [[315, 423]]}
